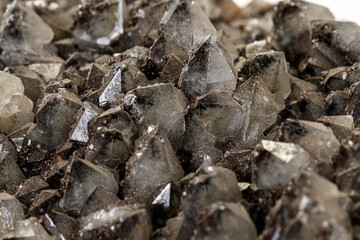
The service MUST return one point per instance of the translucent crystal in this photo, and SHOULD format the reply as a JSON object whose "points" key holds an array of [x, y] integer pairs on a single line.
{"points": [[23, 34], [317, 139], [28, 229], [209, 69], [161, 104], [60, 224], [186, 23], [10, 174], [295, 41], [80, 132], [223, 220], [208, 185], [33, 83], [15, 108], [54, 118], [11, 211], [275, 163], [29, 189], [260, 109], [114, 223], [216, 119], [154, 160], [342, 126], [100, 199], [334, 43], [271, 68], [85, 177], [49, 71], [313, 206], [100, 24]]}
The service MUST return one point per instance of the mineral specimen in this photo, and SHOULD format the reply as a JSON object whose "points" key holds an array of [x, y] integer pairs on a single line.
{"points": [[178, 120]]}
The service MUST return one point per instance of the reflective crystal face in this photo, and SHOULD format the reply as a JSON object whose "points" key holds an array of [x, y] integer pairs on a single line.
{"points": [[80, 132], [209, 69]]}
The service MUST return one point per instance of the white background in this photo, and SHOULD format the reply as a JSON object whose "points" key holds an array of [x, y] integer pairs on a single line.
{"points": [[343, 10]]}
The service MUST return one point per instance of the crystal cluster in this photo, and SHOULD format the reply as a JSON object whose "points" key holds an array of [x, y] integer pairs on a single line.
{"points": [[178, 119]]}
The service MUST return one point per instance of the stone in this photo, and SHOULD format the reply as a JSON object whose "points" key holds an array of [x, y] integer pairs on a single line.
{"points": [[10, 174], [121, 79], [23, 34], [275, 163], [317, 139], [260, 110], [85, 114], [161, 104], [208, 185], [271, 68], [311, 208], [120, 222], [15, 108], [60, 225], [99, 25], [153, 159], [208, 69], [100, 199], [223, 220], [48, 71], [186, 24], [54, 118], [340, 78], [295, 41], [65, 47], [334, 43], [84, 178], [29, 189], [11, 212], [342, 125], [216, 119], [28, 229]]}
